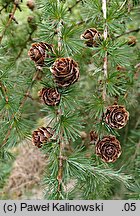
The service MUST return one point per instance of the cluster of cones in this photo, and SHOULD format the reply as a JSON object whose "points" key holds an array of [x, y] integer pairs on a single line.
{"points": [[93, 38], [116, 116], [65, 72], [109, 148]]}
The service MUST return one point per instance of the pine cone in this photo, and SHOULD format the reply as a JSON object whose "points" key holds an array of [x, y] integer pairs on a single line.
{"points": [[132, 40], [120, 68], [30, 19], [50, 96], [116, 116], [31, 4], [41, 135], [37, 52], [93, 136], [83, 135], [108, 148], [92, 36], [65, 72]]}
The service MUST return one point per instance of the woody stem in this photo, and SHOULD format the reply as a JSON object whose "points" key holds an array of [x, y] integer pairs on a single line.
{"points": [[60, 164], [59, 32], [61, 141], [104, 8]]}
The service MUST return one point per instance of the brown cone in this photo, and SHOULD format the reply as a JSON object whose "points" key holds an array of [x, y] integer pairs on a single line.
{"points": [[92, 37], [38, 52], [120, 68], [41, 135], [65, 72], [50, 96], [132, 40], [116, 116], [93, 136], [31, 4], [109, 148]]}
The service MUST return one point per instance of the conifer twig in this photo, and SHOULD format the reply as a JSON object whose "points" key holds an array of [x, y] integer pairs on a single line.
{"points": [[104, 8], [9, 22], [129, 32], [77, 2], [4, 7]]}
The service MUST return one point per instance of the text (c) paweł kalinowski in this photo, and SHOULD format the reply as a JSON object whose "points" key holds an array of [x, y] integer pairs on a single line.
{"points": [[61, 207]]}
